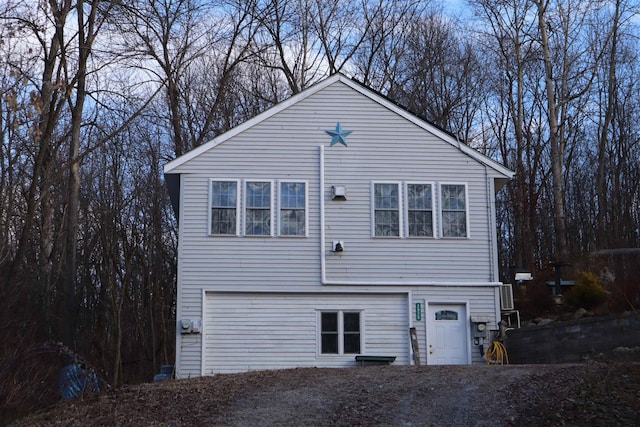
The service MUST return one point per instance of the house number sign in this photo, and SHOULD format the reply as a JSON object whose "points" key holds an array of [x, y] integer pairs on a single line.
{"points": [[418, 311]]}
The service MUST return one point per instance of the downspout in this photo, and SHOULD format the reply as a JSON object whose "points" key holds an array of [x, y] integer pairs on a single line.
{"points": [[410, 349], [323, 266], [492, 232], [489, 222], [180, 219], [203, 346]]}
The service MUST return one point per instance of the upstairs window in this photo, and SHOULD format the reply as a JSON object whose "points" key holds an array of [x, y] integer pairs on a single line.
{"points": [[293, 209], [386, 210], [340, 332], [258, 209], [420, 210], [454, 210], [224, 208]]}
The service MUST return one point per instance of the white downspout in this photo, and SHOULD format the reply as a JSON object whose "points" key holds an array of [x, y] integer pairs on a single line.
{"points": [[410, 349], [493, 237], [489, 222], [323, 266]]}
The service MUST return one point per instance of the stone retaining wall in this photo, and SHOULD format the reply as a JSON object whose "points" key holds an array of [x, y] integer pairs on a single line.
{"points": [[612, 337]]}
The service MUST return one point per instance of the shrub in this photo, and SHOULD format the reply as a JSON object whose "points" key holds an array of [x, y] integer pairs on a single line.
{"points": [[587, 293]]}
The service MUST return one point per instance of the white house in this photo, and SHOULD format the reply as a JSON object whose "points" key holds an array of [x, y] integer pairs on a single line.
{"points": [[326, 228]]}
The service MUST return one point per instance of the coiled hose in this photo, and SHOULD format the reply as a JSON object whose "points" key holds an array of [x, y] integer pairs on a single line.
{"points": [[496, 354]]}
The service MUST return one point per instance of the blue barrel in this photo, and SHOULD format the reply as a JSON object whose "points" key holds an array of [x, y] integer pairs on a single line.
{"points": [[74, 381], [166, 373]]}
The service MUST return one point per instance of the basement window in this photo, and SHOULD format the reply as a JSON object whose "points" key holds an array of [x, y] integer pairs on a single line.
{"points": [[340, 332]]}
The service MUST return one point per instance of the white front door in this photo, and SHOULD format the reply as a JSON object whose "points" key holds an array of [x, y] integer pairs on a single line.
{"points": [[447, 334]]}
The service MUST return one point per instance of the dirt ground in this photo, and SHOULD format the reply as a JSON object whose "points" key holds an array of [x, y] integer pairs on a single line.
{"points": [[589, 394]]}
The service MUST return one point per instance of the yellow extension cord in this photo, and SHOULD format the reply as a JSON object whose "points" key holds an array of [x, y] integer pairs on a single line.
{"points": [[496, 354]]}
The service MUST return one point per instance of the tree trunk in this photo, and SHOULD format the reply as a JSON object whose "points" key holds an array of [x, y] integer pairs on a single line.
{"points": [[557, 150], [86, 36], [48, 118], [601, 177]]}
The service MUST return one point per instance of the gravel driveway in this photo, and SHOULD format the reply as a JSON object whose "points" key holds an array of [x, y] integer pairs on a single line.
{"points": [[588, 394]]}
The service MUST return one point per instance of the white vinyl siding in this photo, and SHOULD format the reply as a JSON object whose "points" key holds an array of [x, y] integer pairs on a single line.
{"points": [[189, 346], [252, 331], [249, 331], [285, 148], [384, 147]]}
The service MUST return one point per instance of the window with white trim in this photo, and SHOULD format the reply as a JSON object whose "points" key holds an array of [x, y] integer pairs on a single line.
{"points": [[257, 215], [419, 210], [453, 203], [386, 209], [224, 208], [340, 332], [293, 209]]}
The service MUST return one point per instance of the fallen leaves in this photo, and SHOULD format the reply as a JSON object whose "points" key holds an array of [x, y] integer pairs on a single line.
{"points": [[532, 395]]}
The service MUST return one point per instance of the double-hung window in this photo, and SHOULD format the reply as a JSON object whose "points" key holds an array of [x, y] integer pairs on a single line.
{"points": [[386, 209], [340, 332], [414, 204], [257, 216], [224, 208], [420, 210], [293, 208], [453, 199]]}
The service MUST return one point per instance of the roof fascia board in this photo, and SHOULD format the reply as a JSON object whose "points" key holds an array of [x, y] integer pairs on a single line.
{"points": [[172, 165]]}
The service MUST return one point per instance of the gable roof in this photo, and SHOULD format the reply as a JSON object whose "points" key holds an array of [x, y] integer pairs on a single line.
{"points": [[170, 167]]}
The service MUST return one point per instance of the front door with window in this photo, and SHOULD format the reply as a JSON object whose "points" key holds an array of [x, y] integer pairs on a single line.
{"points": [[447, 334]]}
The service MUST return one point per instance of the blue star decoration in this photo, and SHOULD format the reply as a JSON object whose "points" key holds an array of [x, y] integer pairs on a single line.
{"points": [[338, 136]]}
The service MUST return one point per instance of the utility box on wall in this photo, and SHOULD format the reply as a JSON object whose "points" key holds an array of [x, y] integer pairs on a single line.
{"points": [[479, 329], [188, 326]]}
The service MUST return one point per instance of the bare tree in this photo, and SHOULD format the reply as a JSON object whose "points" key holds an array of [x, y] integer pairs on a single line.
{"points": [[287, 41], [182, 37], [439, 75], [512, 50], [381, 56], [569, 72], [342, 27], [618, 55]]}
